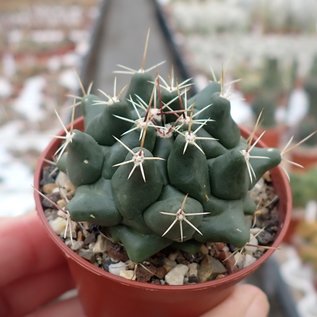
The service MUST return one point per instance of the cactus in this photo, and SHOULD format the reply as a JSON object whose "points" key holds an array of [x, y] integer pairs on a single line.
{"points": [[304, 187], [156, 168]]}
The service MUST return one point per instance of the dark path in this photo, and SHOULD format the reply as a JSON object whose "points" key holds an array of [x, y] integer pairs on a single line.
{"points": [[122, 39]]}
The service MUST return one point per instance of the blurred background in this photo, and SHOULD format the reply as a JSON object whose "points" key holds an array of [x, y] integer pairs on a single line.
{"points": [[42, 45], [266, 49]]}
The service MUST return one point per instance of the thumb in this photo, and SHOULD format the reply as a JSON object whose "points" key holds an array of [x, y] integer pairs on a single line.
{"points": [[245, 301]]}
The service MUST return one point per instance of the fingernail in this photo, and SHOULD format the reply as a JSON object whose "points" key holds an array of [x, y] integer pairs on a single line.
{"points": [[259, 307]]}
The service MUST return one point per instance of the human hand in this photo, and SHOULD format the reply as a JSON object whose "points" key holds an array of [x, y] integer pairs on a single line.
{"points": [[245, 301], [33, 272]]}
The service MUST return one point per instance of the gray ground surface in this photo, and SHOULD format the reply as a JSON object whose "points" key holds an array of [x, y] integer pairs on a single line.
{"points": [[122, 39]]}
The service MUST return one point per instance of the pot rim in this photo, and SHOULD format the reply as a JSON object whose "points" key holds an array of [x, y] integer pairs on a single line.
{"points": [[230, 279]]}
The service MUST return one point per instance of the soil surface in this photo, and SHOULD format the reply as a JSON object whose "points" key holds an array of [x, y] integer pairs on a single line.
{"points": [[169, 266]]}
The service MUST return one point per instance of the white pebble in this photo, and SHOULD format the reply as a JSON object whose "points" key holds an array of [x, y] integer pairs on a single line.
{"points": [[116, 268], [58, 225], [169, 264], [248, 260], [63, 181], [255, 230], [193, 269], [251, 249], [239, 259], [76, 245], [61, 214], [56, 190], [128, 274], [176, 275], [100, 245]]}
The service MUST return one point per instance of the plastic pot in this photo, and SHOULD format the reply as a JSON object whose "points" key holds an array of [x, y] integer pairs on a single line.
{"points": [[104, 294], [271, 137], [305, 156]]}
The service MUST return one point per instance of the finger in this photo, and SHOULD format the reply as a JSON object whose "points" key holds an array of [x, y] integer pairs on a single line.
{"points": [[25, 248], [66, 308], [245, 301], [25, 295]]}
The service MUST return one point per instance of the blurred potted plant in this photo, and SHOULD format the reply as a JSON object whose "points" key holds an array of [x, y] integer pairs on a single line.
{"points": [[266, 102], [304, 190], [304, 187], [306, 154], [265, 105], [307, 242]]}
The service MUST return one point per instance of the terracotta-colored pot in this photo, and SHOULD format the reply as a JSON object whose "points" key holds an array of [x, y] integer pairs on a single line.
{"points": [[271, 137], [43, 56], [104, 294], [291, 230], [305, 156]]}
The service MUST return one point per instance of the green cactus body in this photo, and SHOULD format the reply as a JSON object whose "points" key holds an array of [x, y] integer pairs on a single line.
{"points": [[180, 167], [211, 149], [173, 102], [138, 245], [98, 199], [90, 107], [260, 166], [228, 176], [156, 212], [62, 162], [105, 123], [141, 85], [169, 191], [84, 159], [163, 147], [118, 152], [132, 192], [190, 246], [228, 226], [249, 205], [205, 96], [153, 178], [223, 128]]}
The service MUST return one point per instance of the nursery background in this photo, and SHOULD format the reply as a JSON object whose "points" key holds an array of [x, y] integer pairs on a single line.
{"points": [[266, 49]]}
